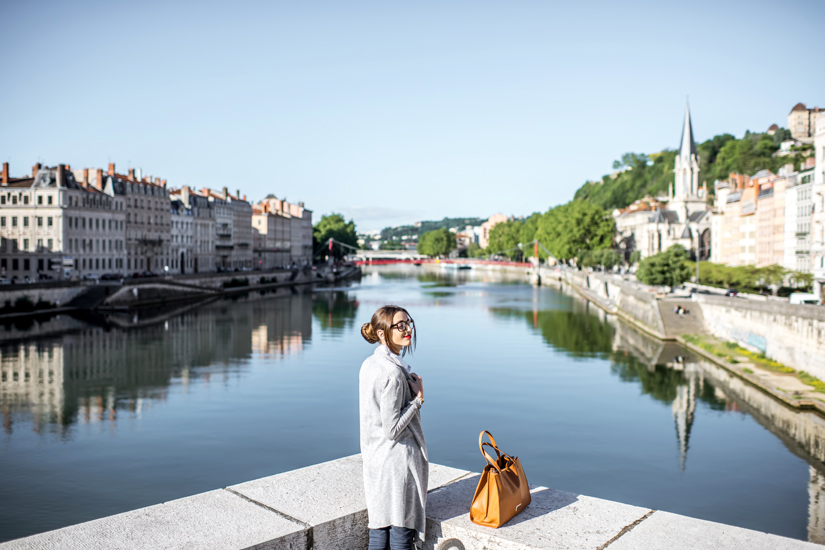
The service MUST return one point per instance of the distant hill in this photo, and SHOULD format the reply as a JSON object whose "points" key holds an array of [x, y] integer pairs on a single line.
{"points": [[395, 233], [639, 175]]}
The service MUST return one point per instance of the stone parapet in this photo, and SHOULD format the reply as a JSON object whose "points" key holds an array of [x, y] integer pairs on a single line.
{"points": [[322, 507]]}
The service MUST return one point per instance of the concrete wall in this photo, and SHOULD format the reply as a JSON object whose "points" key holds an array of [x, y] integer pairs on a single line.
{"points": [[791, 334], [322, 507], [634, 302]]}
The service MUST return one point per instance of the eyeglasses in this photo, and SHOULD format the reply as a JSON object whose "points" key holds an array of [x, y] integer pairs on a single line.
{"points": [[402, 326]]}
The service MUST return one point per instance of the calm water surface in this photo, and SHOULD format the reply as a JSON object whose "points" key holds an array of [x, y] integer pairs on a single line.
{"points": [[120, 413]]}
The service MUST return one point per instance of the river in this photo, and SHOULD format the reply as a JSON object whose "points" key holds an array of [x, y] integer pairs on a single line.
{"points": [[101, 415]]}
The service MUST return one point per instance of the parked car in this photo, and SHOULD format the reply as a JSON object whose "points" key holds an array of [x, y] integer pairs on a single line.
{"points": [[5, 281], [91, 277], [149, 274], [732, 292], [111, 277], [803, 298]]}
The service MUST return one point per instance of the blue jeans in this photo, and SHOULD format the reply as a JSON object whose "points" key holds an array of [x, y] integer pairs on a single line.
{"points": [[392, 538]]}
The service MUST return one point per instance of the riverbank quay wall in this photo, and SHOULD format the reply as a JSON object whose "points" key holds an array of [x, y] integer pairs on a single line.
{"points": [[322, 507], [790, 334]]}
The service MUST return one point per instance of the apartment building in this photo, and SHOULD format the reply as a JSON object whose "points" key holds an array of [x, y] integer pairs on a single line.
{"points": [[802, 122], [770, 219], [799, 202], [203, 227], [148, 219], [55, 225], [182, 240], [292, 226], [273, 239], [818, 235]]}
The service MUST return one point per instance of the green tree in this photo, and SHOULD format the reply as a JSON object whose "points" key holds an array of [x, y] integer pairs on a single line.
{"points": [[668, 268], [436, 243], [391, 245], [475, 251], [504, 239], [333, 226], [578, 225]]}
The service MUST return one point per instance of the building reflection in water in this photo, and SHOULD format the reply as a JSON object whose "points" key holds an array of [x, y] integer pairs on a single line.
{"points": [[125, 363], [673, 375]]}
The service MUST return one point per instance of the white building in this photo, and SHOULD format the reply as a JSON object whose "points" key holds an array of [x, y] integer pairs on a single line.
{"points": [[653, 227], [818, 229], [183, 239], [798, 221], [203, 230], [52, 225]]}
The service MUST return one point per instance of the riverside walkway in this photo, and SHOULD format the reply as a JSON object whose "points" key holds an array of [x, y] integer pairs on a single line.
{"points": [[322, 507]]}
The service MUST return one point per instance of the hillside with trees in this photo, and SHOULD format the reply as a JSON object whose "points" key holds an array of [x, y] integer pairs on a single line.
{"points": [[412, 231], [639, 175]]}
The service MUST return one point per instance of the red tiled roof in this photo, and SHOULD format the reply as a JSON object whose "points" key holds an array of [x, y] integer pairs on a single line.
{"points": [[799, 107]]}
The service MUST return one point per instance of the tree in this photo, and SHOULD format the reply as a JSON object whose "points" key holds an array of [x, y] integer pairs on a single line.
{"points": [[578, 225], [475, 251], [504, 239], [666, 268], [335, 227], [436, 243]]}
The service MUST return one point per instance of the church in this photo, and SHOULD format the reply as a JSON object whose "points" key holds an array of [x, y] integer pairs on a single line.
{"points": [[650, 225]]}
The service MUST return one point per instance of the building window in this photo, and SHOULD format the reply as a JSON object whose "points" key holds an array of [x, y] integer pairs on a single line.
{"points": [[14, 199], [26, 265], [39, 221], [39, 199], [25, 199], [51, 243], [49, 199], [25, 244], [2, 221], [25, 221], [15, 264], [14, 221], [49, 221], [2, 199], [39, 244]]}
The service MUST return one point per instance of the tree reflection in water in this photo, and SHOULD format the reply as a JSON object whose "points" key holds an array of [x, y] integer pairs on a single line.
{"points": [[334, 310]]}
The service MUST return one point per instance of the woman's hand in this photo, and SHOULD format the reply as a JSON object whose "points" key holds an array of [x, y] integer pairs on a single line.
{"points": [[417, 385]]}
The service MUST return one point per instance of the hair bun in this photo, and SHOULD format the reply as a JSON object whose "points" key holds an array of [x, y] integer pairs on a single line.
{"points": [[368, 333]]}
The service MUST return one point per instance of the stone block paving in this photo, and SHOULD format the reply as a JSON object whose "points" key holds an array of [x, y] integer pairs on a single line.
{"points": [[322, 507]]}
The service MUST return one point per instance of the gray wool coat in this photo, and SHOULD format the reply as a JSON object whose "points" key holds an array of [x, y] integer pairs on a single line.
{"points": [[392, 444]]}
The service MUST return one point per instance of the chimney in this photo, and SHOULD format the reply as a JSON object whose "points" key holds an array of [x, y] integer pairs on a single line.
{"points": [[244, 197], [157, 181], [131, 173], [138, 174], [35, 169], [163, 183], [59, 175], [5, 173], [100, 178], [86, 176], [111, 168], [184, 194], [225, 193], [238, 193]]}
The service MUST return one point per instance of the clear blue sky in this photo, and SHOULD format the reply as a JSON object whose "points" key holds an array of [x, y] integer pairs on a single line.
{"points": [[391, 112]]}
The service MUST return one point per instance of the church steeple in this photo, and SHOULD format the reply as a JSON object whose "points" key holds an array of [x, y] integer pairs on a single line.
{"points": [[686, 181], [687, 147]]}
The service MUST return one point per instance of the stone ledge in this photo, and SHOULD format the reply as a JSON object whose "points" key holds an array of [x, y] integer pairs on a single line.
{"points": [[322, 507]]}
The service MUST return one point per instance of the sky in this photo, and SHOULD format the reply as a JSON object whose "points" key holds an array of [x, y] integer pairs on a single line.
{"points": [[393, 112]]}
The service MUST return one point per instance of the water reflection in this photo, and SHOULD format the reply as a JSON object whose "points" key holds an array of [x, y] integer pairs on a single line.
{"points": [[652, 429], [122, 363], [673, 375]]}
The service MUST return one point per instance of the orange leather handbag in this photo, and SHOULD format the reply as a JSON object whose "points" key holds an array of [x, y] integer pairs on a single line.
{"points": [[502, 491]]}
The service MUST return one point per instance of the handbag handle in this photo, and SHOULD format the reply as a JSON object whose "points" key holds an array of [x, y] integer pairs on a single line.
{"points": [[492, 444]]}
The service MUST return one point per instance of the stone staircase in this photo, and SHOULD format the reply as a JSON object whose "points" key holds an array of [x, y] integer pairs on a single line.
{"points": [[689, 323]]}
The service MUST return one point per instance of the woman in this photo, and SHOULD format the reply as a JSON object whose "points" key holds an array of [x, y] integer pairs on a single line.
{"points": [[392, 441]]}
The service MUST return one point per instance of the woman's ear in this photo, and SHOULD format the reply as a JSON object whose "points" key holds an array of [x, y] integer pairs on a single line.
{"points": [[380, 334]]}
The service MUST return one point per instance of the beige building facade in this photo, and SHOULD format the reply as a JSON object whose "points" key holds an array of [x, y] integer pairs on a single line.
{"points": [[802, 122], [53, 226]]}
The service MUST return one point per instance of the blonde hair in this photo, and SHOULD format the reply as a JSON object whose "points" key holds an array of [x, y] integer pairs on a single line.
{"points": [[382, 320]]}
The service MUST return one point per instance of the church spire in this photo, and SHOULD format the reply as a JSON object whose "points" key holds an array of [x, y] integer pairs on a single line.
{"points": [[687, 147]]}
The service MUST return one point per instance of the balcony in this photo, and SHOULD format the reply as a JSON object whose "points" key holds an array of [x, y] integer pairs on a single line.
{"points": [[150, 241], [802, 252], [804, 234], [221, 246], [224, 235]]}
